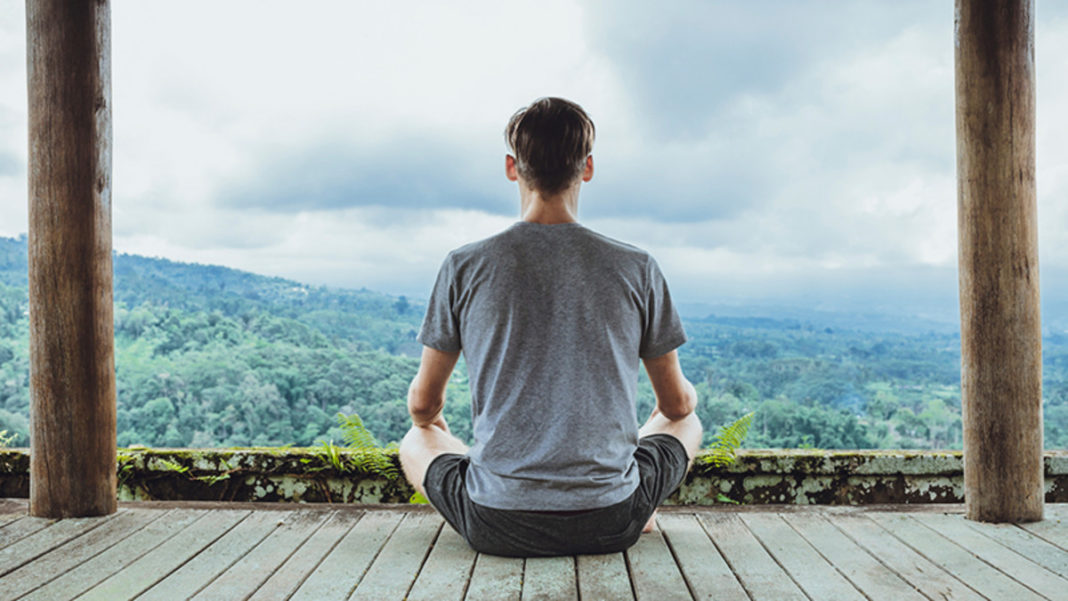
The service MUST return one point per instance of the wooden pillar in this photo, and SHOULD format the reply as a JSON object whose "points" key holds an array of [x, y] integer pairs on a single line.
{"points": [[1001, 342], [72, 370]]}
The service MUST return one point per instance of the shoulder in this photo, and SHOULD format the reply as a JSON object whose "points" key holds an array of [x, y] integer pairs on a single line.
{"points": [[623, 253], [474, 251], [617, 245]]}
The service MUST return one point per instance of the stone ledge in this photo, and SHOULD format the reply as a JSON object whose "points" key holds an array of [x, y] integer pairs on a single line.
{"points": [[759, 476]]}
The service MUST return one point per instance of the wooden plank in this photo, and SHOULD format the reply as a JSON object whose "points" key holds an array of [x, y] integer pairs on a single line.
{"points": [[931, 580], [72, 335], [394, 570], [44, 540], [86, 574], [61, 559], [861, 568], [702, 566], [1056, 511], [447, 569], [1030, 546], [758, 572], [653, 571], [289, 577], [603, 577], [242, 578], [20, 528], [496, 579], [818, 578], [1018, 567], [153, 566], [7, 518], [1051, 530], [549, 579], [217, 557], [985, 579], [339, 572]]}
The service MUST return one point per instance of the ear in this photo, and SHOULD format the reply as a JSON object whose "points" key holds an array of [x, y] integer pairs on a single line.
{"points": [[587, 173], [510, 170]]}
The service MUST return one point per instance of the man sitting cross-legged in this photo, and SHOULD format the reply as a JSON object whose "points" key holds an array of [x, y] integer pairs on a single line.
{"points": [[552, 319]]}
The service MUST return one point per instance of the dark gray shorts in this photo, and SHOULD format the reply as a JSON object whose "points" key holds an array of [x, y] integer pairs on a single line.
{"points": [[661, 466]]}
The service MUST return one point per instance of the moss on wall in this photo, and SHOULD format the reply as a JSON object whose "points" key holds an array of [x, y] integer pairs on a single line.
{"points": [[308, 475]]}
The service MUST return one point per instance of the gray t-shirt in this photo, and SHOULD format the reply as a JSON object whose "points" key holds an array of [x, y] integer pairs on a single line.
{"points": [[552, 320]]}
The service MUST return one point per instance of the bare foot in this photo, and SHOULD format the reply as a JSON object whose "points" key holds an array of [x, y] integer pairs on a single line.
{"points": [[650, 524]]}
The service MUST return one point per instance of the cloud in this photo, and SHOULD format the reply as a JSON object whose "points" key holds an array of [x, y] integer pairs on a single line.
{"points": [[769, 148], [683, 65], [10, 164], [409, 172], [392, 250]]}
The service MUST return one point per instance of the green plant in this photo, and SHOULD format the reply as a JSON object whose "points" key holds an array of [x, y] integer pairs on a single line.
{"points": [[6, 439], [331, 455], [212, 478], [368, 456], [721, 452], [171, 466], [125, 466], [356, 434], [364, 454]]}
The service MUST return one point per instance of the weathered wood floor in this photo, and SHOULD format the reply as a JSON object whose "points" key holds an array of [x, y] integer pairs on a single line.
{"points": [[172, 551]]}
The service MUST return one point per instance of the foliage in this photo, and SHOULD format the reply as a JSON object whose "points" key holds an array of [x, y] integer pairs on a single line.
{"points": [[728, 440], [170, 466], [356, 434], [6, 439], [125, 467], [210, 357], [362, 453]]}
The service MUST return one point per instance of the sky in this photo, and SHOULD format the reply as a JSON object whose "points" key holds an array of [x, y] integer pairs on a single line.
{"points": [[764, 152]]}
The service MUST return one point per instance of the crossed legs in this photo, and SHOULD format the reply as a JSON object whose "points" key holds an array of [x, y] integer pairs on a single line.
{"points": [[421, 445], [689, 432]]}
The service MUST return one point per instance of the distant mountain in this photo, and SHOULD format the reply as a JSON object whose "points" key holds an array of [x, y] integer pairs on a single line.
{"points": [[212, 356], [374, 318]]}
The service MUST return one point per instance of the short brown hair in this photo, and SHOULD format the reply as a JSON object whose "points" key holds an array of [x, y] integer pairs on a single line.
{"points": [[551, 139]]}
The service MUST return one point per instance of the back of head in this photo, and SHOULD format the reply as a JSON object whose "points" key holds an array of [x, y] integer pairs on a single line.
{"points": [[551, 140]]}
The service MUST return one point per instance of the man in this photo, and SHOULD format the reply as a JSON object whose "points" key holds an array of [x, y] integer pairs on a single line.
{"points": [[552, 319]]}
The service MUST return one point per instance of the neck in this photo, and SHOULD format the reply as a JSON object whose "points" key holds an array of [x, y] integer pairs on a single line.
{"points": [[548, 209]]}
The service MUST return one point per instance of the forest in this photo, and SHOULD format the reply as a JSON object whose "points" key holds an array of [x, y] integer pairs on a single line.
{"points": [[208, 356]]}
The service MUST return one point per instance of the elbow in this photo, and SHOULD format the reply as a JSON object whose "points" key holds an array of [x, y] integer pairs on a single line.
{"points": [[678, 412], [682, 407], [423, 409]]}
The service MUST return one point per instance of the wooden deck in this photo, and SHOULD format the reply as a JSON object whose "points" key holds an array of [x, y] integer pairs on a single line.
{"points": [[167, 551]]}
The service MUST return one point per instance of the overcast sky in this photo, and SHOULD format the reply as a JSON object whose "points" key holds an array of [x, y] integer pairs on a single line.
{"points": [[760, 150]]}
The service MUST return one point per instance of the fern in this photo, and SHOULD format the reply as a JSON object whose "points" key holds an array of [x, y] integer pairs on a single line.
{"points": [[171, 466], [330, 454], [356, 434], [367, 456], [728, 440]]}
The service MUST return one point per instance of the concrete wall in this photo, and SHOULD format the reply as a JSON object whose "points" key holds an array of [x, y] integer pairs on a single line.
{"points": [[795, 476]]}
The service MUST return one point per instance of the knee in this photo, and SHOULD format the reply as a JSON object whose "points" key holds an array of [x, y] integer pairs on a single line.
{"points": [[408, 444], [697, 422]]}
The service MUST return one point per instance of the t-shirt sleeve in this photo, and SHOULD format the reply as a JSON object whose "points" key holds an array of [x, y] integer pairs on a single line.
{"points": [[662, 330], [441, 328]]}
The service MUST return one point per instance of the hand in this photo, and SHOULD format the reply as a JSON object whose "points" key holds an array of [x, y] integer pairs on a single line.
{"points": [[440, 422]]}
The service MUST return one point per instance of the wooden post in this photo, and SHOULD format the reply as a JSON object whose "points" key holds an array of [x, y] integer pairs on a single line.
{"points": [[72, 370], [1001, 342]]}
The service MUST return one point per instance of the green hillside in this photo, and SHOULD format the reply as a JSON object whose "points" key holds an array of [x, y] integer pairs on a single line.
{"points": [[211, 356]]}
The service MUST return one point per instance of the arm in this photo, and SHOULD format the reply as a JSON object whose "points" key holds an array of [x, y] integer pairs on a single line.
{"points": [[426, 395], [675, 396]]}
